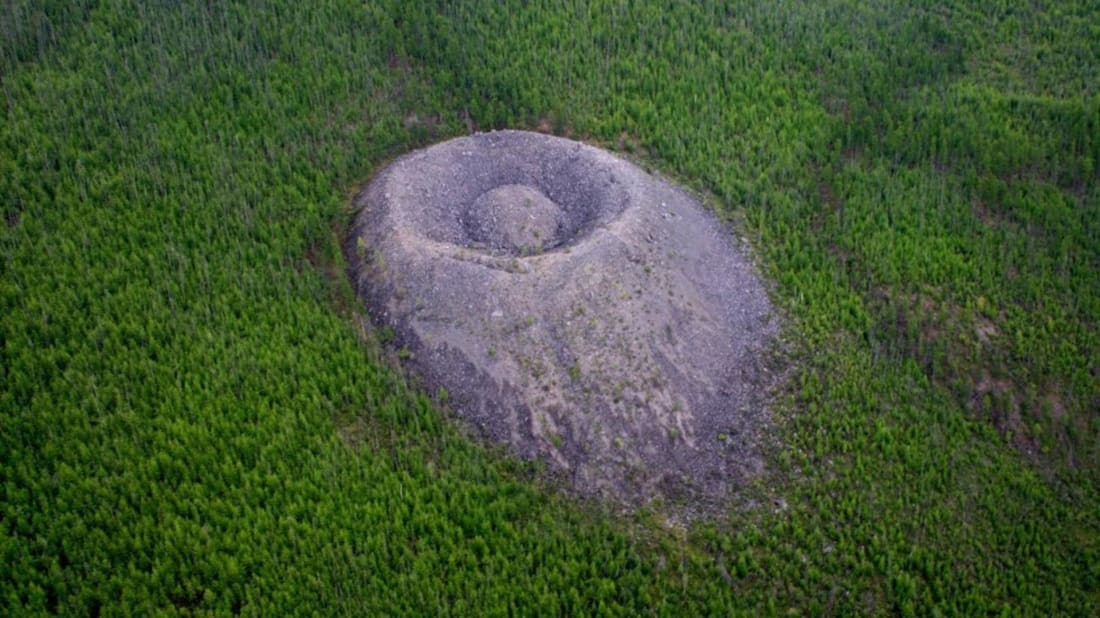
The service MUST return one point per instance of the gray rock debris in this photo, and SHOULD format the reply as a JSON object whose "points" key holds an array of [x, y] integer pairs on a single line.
{"points": [[575, 307]]}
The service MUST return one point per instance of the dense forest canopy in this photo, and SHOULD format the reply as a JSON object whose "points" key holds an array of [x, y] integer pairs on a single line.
{"points": [[192, 422]]}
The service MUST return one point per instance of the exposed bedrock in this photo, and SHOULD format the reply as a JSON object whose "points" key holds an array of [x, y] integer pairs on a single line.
{"points": [[575, 308]]}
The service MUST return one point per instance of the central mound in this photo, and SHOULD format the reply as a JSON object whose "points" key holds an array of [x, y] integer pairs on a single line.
{"points": [[514, 219], [575, 307]]}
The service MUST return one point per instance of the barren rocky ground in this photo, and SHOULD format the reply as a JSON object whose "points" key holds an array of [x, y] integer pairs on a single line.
{"points": [[574, 307]]}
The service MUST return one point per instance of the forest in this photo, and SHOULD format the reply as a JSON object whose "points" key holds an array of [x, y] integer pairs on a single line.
{"points": [[193, 421]]}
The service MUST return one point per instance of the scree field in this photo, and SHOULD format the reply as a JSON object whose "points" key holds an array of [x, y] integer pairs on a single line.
{"points": [[193, 421]]}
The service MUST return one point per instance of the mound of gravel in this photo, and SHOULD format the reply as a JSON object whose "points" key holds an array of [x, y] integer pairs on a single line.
{"points": [[574, 307]]}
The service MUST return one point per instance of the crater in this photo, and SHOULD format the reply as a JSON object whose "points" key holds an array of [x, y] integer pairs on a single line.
{"points": [[576, 308]]}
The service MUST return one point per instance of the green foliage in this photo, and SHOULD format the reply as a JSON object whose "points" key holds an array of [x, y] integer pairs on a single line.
{"points": [[193, 422], [30, 28]]}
